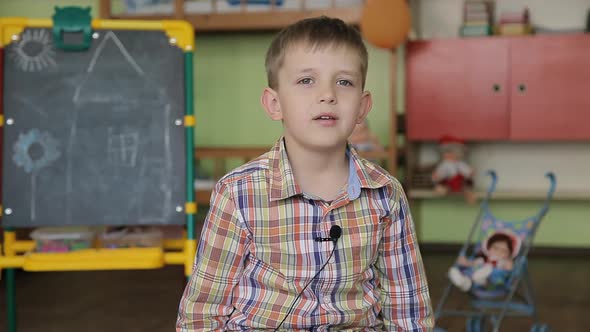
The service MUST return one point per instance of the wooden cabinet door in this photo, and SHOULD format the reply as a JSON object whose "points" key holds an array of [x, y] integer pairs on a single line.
{"points": [[550, 87], [458, 87]]}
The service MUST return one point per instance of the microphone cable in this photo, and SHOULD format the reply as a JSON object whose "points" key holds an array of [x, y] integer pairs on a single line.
{"points": [[335, 233]]}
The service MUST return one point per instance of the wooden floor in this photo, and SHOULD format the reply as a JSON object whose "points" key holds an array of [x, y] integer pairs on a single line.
{"points": [[147, 300]]}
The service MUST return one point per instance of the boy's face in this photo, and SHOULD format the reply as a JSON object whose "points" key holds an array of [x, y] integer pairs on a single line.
{"points": [[499, 250], [319, 96]]}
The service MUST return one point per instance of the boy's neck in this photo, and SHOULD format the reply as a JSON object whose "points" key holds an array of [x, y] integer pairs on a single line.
{"points": [[319, 173]]}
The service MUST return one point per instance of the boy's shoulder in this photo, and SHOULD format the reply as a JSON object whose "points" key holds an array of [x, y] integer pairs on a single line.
{"points": [[376, 176], [258, 173], [254, 168]]}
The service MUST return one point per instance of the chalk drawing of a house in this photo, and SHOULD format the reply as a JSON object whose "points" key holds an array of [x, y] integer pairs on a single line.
{"points": [[115, 103]]}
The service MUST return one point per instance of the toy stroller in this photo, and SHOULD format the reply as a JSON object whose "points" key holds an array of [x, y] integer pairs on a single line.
{"points": [[513, 295]]}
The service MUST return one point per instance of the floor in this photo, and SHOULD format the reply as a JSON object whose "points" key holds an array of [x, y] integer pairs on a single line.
{"points": [[147, 300]]}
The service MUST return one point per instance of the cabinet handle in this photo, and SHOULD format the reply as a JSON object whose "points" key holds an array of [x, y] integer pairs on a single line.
{"points": [[497, 87], [521, 87]]}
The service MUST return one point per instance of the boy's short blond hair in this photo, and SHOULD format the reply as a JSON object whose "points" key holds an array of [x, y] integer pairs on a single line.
{"points": [[317, 33]]}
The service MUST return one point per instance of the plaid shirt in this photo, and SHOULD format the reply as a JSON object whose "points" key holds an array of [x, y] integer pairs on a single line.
{"points": [[257, 252]]}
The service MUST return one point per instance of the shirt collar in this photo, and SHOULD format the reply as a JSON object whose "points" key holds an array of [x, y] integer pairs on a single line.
{"points": [[362, 174]]}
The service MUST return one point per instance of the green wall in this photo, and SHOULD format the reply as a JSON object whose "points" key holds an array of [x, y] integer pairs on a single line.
{"points": [[229, 71], [449, 220], [229, 77]]}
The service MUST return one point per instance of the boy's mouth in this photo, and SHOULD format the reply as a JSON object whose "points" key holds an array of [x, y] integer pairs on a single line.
{"points": [[326, 116]]}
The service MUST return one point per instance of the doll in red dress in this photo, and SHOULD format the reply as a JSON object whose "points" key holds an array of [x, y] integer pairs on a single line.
{"points": [[453, 174]]}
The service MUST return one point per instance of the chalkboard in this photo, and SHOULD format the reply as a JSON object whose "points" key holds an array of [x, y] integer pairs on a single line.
{"points": [[93, 137]]}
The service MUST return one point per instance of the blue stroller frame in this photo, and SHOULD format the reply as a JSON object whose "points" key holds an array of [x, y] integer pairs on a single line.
{"points": [[489, 305]]}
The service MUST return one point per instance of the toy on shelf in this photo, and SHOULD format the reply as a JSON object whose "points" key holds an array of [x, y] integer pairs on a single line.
{"points": [[515, 23], [478, 16], [452, 173], [131, 237], [362, 139], [62, 239]]}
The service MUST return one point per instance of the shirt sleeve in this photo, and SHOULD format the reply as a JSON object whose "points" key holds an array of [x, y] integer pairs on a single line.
{"points": [[206, 303], [406, 302]]}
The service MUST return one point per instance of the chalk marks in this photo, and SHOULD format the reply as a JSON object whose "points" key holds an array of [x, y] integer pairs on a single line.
{"points": [[110, 36], [34, 151], [34, 51], [122, 146]]}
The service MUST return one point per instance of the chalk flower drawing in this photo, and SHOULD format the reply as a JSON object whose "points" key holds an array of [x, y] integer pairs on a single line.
{"points": [[33, 151], [35, 139]]}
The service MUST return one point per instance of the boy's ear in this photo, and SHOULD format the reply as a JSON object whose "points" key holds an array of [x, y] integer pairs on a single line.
{"points": [[270, 102], [365, 106]]}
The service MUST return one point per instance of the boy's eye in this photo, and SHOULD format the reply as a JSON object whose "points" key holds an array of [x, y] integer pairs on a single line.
{"points": [[305, 81], [345, 83]]}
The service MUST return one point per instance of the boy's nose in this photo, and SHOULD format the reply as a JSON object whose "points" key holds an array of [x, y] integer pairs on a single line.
{"points": [[327, 97]]}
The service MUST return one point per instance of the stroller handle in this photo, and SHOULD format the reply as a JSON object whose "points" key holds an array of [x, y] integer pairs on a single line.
{"points": [[494, 181], [552, 183], [492, 186], [550, 192]]}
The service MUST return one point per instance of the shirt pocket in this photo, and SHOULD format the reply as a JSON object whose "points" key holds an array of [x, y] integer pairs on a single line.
{"points": [[361, 246]]}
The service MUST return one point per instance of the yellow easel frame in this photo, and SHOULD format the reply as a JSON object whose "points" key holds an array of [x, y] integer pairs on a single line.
{"points": [[19, 253]]}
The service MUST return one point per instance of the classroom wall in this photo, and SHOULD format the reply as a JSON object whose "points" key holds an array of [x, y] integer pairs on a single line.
{"points": [[229, 77]]}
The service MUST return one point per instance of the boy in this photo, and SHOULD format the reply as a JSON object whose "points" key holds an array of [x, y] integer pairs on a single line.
{"points": [[309, 236]]}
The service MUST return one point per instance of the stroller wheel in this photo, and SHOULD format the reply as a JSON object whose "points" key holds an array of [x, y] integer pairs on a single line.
{"points": [[475, 324], [540, 328]]}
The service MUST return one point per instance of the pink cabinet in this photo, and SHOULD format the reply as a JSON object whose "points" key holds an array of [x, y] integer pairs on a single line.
{"points": [[458, 87], [550, 82], [521, 88]]}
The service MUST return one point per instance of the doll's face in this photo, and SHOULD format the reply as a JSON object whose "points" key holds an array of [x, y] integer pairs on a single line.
{"points": [[499, 250], [450, 155]]}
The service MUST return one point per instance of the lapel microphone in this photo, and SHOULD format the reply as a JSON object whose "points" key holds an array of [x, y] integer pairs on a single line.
{"points": [[335, 233]]}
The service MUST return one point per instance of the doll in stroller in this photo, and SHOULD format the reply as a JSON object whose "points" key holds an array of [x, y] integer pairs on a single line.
{"points": [[491, 268]]}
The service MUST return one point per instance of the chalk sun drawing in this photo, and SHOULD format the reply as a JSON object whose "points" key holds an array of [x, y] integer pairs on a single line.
{"points": [[34, 51]]}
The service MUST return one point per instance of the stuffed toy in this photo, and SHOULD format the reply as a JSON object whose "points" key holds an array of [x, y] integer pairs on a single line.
{"points": [[362, 139], [452, 173]]}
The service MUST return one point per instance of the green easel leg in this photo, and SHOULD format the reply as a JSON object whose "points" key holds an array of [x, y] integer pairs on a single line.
{"points": [[10, 300]]}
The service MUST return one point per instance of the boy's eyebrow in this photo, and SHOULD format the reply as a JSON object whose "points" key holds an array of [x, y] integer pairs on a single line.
{"points": [[306, 70], [350, 72], [346, 72]]}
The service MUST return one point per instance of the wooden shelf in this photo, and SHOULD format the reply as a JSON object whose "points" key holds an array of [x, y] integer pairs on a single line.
{"points": [[272, 20], [506, 195], [242, 20], [252, 152], [221, 154], [213, 152], [202, 196]]}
